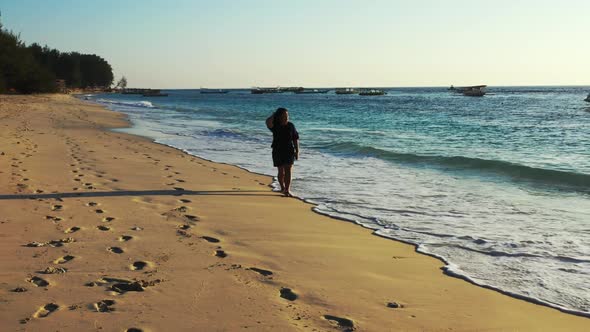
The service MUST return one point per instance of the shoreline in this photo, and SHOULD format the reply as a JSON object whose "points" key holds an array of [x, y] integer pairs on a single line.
{"points": [[443, 260], [334, 268], [446, 270]]}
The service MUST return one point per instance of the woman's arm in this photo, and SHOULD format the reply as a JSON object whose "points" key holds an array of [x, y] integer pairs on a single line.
{"points": [[296, 149], [270, 121]]}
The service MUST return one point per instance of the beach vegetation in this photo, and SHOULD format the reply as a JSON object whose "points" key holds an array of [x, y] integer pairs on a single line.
{"points": [[32, 69], [122, 83]]}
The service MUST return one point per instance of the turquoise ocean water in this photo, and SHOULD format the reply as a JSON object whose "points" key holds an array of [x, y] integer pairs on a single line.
{"points": [[498, 186]]}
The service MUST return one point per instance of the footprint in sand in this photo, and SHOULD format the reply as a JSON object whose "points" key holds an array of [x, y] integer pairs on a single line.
{"points": [[38, 281], [72, 229], [220, 253], [136, 228], [210, 239], [288, 294], [184, 200], [54, 270], [64, 259], [133, 329], [103, 228], [184, 227], [182, 232], [46, 310], [345, 324], [104, 306], [56, 207], [125, 238], [91, 204], [125, 287], [139, 265], [52, 218], [191, 217], [263, 272], [394, 305], [108, 219], [99, 211], [52, 243], [104, 280], [115, 250]]}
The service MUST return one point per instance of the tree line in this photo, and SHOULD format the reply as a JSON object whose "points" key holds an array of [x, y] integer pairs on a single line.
{"points": [[29, 69]]}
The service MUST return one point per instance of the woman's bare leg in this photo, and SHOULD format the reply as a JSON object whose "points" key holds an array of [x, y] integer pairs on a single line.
{"points": [[287, 187], [281, 177]]}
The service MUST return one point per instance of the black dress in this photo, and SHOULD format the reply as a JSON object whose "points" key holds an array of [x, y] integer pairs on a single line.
{"points": [[283, 144]]}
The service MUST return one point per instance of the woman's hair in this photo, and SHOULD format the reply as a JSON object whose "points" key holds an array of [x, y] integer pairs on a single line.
{"points": [[281, 111]]}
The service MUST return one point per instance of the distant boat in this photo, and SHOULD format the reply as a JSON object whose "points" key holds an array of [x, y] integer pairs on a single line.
{"points": [[346, 91], [475, 91], [371, 92], [470, 91], [310, 91], [154, 93], [295, 89], [259, 91], [587, 98], [204, 90]]}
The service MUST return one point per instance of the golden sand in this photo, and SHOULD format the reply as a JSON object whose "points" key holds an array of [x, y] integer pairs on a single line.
{"points": [[107, 231]]}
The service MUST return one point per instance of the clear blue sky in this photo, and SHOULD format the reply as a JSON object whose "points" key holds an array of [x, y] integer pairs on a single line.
{"points": [[222, 43]]}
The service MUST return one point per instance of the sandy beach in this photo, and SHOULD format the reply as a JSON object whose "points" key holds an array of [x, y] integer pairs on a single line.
{"points": [[107, 231]]}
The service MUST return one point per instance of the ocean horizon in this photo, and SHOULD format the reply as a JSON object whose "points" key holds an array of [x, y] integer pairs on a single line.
{"points": [[498, 187]]}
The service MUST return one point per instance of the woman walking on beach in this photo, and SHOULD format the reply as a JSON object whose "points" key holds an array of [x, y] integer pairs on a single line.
{"points": [[285, 146]]}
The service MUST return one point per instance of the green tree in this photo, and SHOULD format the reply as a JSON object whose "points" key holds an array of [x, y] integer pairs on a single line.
{"points": [[35, 68]]}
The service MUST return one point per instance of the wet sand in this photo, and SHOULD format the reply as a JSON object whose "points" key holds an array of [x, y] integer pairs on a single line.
{"points": [[107, 231]]}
